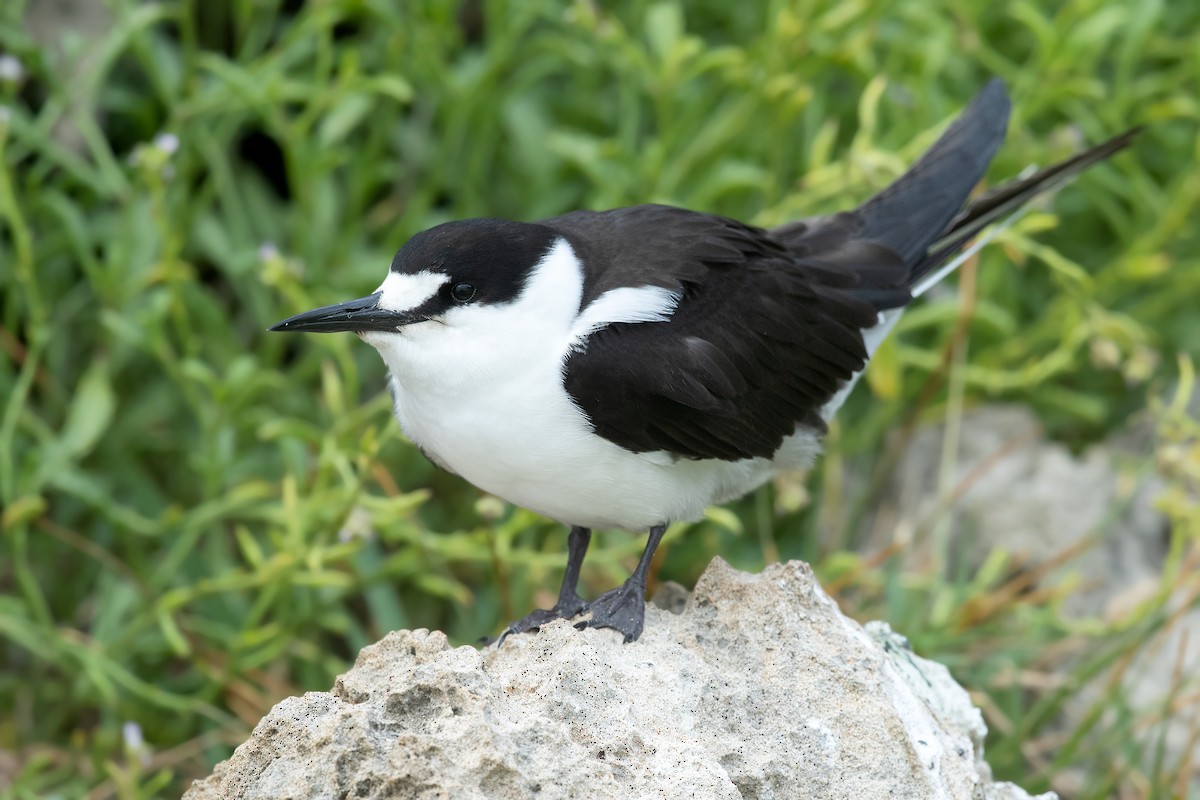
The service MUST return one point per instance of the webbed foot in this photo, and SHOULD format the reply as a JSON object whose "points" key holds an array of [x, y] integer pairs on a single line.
{"points": [[622, 609], [565, 608]]}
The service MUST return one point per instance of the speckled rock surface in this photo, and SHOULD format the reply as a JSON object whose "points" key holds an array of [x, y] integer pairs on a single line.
{"points": [[759, 688]]}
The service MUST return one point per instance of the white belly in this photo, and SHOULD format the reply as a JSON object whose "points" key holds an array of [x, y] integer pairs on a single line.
{"points": [[539, 452]]}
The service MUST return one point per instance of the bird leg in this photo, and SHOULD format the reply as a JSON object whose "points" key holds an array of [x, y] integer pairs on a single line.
{"points": [[569, 602], [624, 608]]}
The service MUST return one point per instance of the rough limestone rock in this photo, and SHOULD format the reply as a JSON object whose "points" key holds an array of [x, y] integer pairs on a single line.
{"points": [[759, 688]]}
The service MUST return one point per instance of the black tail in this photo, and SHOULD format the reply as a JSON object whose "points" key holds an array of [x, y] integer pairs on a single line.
{"points": [[921, 216], [915, 211], [1007, 198]]}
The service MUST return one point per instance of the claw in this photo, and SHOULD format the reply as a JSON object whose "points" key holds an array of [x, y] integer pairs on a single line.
{"points": [[566, 608]]}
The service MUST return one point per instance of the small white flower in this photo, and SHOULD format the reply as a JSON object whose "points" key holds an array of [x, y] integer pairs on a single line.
{"points": [[267, 251], [135, 743], [167, 143], [11, 69], [131, 732]]}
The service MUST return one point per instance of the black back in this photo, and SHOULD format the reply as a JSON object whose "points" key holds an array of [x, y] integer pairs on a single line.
{"points": [[769, 325]]}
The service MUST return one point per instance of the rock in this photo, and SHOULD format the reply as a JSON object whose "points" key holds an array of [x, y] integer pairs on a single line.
{"points": [[759, 688], [1012, 489]]}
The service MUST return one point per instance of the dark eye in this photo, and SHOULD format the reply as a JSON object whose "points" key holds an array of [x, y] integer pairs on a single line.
{"points": [[462, 292]]}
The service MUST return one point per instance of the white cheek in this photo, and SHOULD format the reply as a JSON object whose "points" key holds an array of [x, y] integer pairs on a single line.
{"points": [[403, 292]]}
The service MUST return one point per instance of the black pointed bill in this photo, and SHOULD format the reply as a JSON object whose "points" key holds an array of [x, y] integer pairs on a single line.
{"points": [[363, 314]]}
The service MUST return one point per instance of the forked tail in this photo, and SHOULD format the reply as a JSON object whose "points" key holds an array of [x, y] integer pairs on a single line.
{"points": [[1001, 203]]}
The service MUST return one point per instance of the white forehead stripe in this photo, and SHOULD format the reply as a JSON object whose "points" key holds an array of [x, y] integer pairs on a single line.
{"points": [[627, 304], [403, 292]]}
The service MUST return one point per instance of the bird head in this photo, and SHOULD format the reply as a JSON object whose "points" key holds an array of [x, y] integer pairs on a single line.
{"points": [[437, 276], [463, 295]]}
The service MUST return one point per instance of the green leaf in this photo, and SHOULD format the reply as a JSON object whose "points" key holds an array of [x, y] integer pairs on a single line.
{"points": [[170, 630], [441, 586], [392, 86], [664, 28], [22, 511], [345, 117], [91, 411], [725, 518], [885, 373]]}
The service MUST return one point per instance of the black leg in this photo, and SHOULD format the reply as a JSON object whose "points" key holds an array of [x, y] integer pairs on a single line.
{"points": [[569, 602], [624, 608]]}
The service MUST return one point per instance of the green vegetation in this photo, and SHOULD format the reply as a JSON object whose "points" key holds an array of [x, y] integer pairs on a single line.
{"points": [[200, 519]]}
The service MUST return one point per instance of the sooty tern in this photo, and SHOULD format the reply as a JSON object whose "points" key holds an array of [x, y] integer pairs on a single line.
{"points": [[628, 368]]}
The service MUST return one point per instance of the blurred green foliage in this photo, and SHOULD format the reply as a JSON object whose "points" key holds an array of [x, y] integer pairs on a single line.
{"points": [[200, 519]]}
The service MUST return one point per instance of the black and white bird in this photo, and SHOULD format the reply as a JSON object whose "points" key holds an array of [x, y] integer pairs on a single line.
{"points": [[629, 368]]}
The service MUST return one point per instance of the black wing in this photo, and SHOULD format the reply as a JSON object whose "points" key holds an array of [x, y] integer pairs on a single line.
{"points": [[769, 325], [760, 340]]}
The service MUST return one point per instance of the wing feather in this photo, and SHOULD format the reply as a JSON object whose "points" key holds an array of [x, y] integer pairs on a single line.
{"points": [[755, 346], [769, 325]]}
